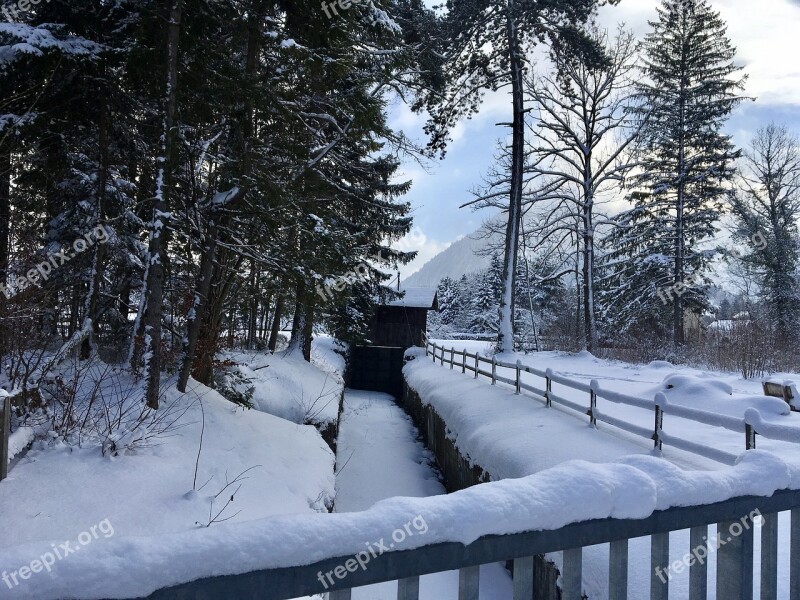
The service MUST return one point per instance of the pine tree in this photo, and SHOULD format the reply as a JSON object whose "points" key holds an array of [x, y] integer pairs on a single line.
{"points": [[690, 87], [450, 305], [487, 298]]}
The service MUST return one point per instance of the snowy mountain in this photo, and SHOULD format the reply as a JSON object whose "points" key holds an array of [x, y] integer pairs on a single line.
{"points": [[462, 257]]}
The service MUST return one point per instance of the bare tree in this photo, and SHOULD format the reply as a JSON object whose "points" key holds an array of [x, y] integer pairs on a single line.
{"points": [[766, 206], [580, 143]]}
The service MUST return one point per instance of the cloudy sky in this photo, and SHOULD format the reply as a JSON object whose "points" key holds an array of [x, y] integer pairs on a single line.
{"points": [[766, 34]]}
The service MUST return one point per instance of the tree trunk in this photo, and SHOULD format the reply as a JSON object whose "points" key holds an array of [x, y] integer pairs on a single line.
{"points": [[98, 254], [678, 313], [5, 212], [264, 318], [157, 252], [307, 332], [224, 274], [5, 241], [589, 323], [252, 316], [505, 337], [276, 322], [197, 313]]}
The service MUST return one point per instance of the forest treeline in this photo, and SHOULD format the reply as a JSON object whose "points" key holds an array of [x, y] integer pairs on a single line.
{"points": [[181, 176]]}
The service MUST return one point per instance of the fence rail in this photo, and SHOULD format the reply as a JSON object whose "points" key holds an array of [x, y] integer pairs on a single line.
{"points": [[750, 426]]}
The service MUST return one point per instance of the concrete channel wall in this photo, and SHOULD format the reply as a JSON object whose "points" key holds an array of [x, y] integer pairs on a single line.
{"points": [[460, 474]]}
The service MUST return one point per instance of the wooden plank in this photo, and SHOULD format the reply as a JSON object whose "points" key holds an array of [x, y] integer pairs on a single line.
{"points": [[618, 570], [659, 566], [769, 557], [408, 588], [698, 570], [523, 578], [469, 582], [572, 576], [735, 560]]}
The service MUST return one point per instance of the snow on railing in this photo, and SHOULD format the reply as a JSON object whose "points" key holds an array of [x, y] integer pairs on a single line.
{"points": [[751, 425]]}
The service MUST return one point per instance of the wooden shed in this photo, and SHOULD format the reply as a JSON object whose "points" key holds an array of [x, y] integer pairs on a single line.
{"points": [[402, 322], [396, 326]]}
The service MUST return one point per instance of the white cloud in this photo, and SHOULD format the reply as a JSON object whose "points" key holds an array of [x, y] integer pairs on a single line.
{"points": [[765, 34]]}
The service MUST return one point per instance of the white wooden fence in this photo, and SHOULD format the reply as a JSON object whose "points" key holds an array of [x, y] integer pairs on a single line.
{"points": [[751, 425]]}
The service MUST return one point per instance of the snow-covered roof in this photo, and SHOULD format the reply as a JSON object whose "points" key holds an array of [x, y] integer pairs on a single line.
{"points": [[416, 298]]}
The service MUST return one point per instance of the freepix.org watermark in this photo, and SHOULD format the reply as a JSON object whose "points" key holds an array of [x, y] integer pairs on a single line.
{"points": [[326, 290], [417, 525], [42, 271], [59, 552], [12, 11], [700, 554], [327, 7], [667, 294]]}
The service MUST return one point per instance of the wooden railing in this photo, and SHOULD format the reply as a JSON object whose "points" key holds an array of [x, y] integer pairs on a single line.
{"points": [[751, 425], [735, 573]]}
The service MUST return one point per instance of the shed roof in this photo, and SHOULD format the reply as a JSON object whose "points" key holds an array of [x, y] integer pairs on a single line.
{"points": [[417, 298]]}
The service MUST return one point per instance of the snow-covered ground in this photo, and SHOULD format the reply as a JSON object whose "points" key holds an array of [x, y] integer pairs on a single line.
{"points": [[510, 435], [142, 512], [208, 464], [120, 566], [379, 454], [58, 490]]}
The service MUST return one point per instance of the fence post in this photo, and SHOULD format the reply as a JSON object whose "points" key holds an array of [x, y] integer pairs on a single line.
{"points": [[548, 389], [452, 356], [519, 382], [464, 361], [750, 437], [659, 424], [477, 363], [5, 432], [433, 352], [494, 370], [592, 408], [441, 358]]}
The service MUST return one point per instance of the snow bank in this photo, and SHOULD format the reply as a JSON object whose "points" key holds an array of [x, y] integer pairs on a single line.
{"points": [[287, 386], [58, 491], [631, 488], [19, 440], [326, 355], [716, 396]]}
